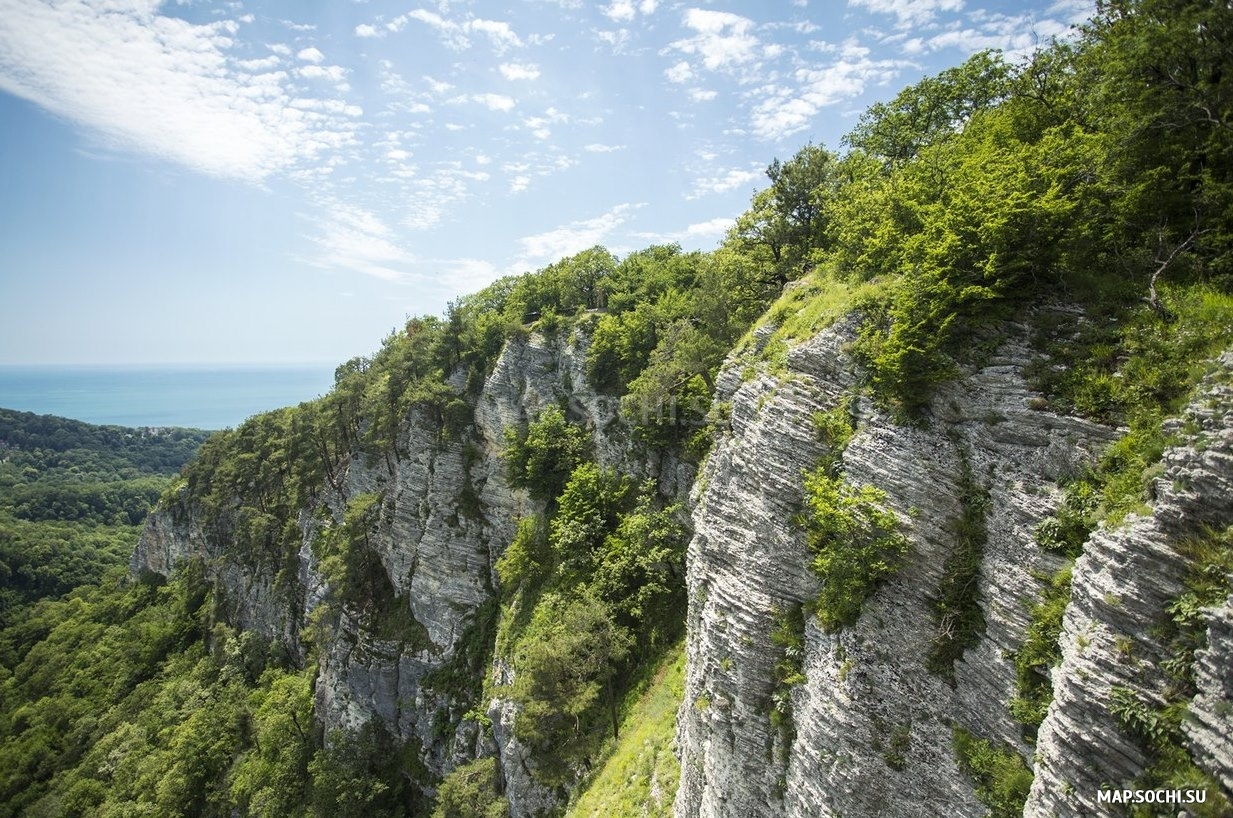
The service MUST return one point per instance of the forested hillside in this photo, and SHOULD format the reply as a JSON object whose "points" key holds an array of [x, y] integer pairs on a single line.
{"points": [[456, 584], [72, 499]]}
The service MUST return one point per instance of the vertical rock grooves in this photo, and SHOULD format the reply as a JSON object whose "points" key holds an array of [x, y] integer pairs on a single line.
{"points": [[1111, 635], [871, 730]]}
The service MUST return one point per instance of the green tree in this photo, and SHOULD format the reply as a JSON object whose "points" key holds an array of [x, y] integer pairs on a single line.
{"points": [[565, 682], [544, 455], [472, 791]]}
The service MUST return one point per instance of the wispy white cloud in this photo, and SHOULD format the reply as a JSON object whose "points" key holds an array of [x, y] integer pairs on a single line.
{"points": [[621, 11], [540, 125], [722, 40], [437, 86], [625, 11], [723, 181], [679, 72], [1016, 35], [165, 86], [493, 102], [695, 234], [596, 147], [518, 71], [713, 227], [310, 55], [352, 238], [455, 34], [909, 13], [787, 109], [333, 73], [535, 165], [461, 275], [499, 33], [572, 238], [259, 65], [616, 40]]}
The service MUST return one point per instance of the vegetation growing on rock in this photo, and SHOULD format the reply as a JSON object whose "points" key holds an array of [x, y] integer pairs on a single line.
{"points": [[1091, 183]]}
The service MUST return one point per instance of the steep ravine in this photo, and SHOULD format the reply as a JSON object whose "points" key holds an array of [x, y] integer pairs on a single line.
{"points": [[870, 732]]}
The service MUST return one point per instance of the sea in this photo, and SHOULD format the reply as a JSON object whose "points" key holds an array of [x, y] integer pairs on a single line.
{"points": [[197, 397]]}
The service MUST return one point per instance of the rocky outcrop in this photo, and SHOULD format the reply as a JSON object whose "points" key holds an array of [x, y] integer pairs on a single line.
{"points": [[446, 513], [870, 730], [865, 728], [1114, 639]]}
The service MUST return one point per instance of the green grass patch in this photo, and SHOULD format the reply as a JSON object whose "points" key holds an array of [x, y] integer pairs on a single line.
{"points": [[815, 302], [641, 774]]}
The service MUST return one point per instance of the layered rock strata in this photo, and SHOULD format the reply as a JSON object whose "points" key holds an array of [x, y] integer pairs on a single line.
{"points": [[1115, 645], [870, 731], [438, 558]]}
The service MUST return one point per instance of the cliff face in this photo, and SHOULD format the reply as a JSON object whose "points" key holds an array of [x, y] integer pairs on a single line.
{"points": [[1115, 643], [864, 727], [870, 731], [447, 511]]}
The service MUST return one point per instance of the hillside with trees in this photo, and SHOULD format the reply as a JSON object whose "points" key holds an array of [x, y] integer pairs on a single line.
{"points": [[1094, 179]]}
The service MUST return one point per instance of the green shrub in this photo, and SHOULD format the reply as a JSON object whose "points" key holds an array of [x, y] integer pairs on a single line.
{"points": [[855, 544], [1040, 652], [543, 456], [1001, 776], [472, 791], [957, 611], [788, 635]]}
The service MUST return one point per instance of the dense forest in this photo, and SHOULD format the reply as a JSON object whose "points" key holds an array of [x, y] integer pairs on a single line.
{"points": [[1096, 174], [72, 498]]}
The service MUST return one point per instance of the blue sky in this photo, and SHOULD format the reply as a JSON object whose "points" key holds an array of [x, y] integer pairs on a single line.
{"points": [[278, 182]]}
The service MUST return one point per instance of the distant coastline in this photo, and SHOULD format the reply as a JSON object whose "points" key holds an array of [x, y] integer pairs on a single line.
{"points": [[200, 396]]}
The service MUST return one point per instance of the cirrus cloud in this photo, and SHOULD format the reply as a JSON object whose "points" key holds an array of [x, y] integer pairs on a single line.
{"points": [[167, 87]]}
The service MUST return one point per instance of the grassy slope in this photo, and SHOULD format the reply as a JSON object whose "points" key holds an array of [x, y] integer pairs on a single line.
{"points": [[640, 776]]}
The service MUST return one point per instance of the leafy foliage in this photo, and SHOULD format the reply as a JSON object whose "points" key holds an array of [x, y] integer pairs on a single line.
{"points": [[640, 775], [71, 496], [1098, 173], [544, 455], [788, 636], [472, 791], [1001, 776], [566, 665], [855, 542], [1036, 657], [959, 617]]}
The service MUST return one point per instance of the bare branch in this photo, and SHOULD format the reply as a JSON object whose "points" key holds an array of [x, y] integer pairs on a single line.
{"points": [[1153, 298]]}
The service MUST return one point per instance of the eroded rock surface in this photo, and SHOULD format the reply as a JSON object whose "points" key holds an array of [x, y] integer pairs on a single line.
{"points": [[871, 731]]}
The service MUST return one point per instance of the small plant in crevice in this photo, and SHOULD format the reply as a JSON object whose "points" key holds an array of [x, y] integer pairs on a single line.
{"points": [[1157, 729], [788, 635], [893, 743], [958, 616], [1001, 777], [855, 541], [1035, 658], [835, 427]]}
